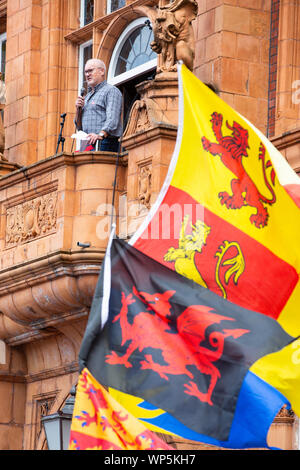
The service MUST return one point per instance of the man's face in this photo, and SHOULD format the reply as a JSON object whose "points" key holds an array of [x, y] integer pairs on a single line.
{"points": [[93, 74]]}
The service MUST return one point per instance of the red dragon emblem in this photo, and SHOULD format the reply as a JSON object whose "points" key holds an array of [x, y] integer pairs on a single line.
{"points": [[232, 149], [151, 329]]}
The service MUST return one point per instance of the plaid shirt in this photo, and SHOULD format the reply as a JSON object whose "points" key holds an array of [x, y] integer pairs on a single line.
{"points": [[102, 110]]}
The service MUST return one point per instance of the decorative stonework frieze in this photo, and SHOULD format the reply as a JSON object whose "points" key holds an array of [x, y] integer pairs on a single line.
{"points": [[31, 219]]}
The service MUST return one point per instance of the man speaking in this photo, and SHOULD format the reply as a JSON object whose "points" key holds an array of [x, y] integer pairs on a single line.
{"points": [[100, 110]]}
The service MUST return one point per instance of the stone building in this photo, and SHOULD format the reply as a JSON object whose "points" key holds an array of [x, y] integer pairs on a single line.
{"points": [[53, 197]]}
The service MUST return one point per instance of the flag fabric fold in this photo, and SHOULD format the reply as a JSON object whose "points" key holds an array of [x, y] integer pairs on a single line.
{"points": [[257, 405]]}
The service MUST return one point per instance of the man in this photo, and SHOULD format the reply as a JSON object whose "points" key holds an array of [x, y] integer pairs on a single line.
{"points": [[100, 110]]}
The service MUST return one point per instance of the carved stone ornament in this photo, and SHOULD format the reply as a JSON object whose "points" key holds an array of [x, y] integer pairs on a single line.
{"points": [[285, 415], [145, 185], [43, 407], [31, 219], [144, 114], [173, 34]]}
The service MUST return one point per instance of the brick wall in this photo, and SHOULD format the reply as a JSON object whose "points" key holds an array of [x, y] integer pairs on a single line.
{"points": [[273, 66], [232, 53], [36, 76]]}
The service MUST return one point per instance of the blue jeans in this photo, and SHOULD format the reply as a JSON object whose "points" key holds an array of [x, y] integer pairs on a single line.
{"points": [[109, 144]]}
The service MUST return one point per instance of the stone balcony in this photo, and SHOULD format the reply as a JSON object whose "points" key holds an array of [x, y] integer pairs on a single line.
{"points": [[46, 279]]}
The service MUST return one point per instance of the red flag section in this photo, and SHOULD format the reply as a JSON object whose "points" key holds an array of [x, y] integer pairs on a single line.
{"points": [[227, 260]]}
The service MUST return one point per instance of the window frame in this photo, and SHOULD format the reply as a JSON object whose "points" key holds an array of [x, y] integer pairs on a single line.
{"points": [[3, 37], [140, 69], [82, 13], [81, 63], [108, 7]]}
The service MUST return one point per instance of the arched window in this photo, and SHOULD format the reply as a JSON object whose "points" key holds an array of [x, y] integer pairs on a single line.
{"points": [[132, 55]]}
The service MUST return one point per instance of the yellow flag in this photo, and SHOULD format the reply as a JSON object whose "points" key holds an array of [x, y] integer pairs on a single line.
{"points": [[101, 423]]}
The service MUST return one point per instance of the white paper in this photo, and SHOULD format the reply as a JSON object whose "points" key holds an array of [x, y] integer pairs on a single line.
{"points": [[80, 135]]}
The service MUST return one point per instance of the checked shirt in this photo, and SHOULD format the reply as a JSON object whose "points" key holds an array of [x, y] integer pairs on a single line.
{"points": [[102, 110]]}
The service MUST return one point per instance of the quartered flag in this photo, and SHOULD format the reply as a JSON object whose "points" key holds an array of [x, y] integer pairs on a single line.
{"points": [[194, 322], [101, 423]]}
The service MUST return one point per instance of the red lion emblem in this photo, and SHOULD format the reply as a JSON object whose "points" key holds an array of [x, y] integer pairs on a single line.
{"points": [[151, 329], [232, 149]]}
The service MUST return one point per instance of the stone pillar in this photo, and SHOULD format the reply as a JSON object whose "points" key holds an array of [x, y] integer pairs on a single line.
{"points": [[12, 399], [149, 139]]}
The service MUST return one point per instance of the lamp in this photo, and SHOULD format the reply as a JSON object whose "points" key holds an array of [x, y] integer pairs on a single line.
{"points": [[57, 425]]}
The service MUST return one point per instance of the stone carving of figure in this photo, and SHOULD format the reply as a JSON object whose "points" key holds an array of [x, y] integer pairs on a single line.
{"points": [[145, 186], [173, 34]]}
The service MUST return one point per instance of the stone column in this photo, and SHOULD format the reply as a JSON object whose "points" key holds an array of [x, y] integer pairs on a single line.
{"points": [[149, 139]]}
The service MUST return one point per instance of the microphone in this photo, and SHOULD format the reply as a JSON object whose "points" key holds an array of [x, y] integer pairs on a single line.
{"points": [[82, 92]]}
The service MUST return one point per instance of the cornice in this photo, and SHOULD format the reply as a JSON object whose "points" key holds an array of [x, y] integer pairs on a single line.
{"points": [[60, 160], [287, 139], [48, 267], [46, 374], [161, 129], [83, 34], [40, 295], [45, 328], [3, 8]]}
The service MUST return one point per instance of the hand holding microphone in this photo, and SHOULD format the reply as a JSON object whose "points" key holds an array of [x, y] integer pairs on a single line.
{"points": [[80, 100]]}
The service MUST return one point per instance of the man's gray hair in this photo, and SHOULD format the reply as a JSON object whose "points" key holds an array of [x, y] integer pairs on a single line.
{"points": [[98, 63]]}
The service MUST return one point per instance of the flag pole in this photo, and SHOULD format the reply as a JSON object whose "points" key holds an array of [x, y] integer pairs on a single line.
{"points": [[114, 186], [118, 161]]}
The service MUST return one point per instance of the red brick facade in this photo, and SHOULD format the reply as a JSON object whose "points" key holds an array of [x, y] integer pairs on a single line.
{"points": [[248, 50]]}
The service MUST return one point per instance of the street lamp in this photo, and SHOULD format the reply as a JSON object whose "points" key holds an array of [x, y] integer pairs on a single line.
{"points": [[57, 426]]}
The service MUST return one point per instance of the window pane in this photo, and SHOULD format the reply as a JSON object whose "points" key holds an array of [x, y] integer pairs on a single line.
{"points": [[116, 4], [88, 11], [136, 50], [3, 57], [87, 55]]}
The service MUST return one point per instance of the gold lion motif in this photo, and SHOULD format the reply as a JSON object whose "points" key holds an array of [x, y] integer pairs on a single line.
{"points": [[190, 244]]}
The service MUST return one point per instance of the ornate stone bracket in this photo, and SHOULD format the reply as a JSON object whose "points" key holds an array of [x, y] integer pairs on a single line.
{"points": [[36, 294]]}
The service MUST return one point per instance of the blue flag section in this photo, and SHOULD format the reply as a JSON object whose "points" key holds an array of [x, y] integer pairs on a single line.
{"points": [[183, 349], [257, 405]]}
